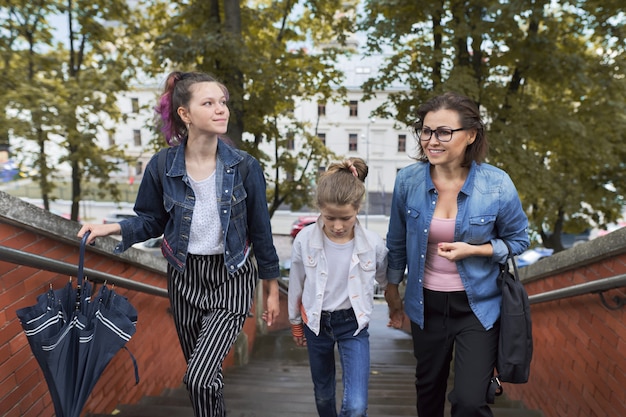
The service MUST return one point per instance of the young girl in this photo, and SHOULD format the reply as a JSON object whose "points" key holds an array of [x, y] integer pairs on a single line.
{"points": [[208, 200], [334, 263]]}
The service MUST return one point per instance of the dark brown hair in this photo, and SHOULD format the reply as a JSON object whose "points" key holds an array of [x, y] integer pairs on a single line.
{"points": [[469, 116], [176, 93]]}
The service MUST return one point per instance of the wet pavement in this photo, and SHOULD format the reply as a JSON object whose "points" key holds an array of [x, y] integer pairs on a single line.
{"points": [[277, 380]]}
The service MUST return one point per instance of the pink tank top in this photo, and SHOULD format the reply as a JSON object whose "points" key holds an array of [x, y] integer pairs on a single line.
{"points": [[441, 274]]}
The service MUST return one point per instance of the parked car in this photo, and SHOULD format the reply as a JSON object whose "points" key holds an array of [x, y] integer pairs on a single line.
{"points": [[117, 216], [300, 223], [152, 245], [532, 255]]}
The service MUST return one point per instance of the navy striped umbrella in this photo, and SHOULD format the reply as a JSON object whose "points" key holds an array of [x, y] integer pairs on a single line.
{"points": [[74, 335]]}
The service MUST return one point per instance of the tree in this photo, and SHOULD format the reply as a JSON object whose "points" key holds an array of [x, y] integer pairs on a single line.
{"points": [[66, 92], [549, 78], [26, 93], [258, 49]]}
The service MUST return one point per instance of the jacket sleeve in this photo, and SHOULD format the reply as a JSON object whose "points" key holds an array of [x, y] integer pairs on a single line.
{"points": [[259, 225], [296, 281], [396, 235], [512, 224], [151, 214], [381, 264]]}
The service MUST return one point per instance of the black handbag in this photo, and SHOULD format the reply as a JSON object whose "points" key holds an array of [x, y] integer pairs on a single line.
{"points": [[515, 343]]}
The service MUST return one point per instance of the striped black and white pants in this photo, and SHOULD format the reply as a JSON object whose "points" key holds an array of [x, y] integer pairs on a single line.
{"points": [[209, 308]]}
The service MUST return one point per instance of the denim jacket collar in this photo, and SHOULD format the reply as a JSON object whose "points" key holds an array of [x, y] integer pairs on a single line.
{"points": [[468, 185], [226, 156]]}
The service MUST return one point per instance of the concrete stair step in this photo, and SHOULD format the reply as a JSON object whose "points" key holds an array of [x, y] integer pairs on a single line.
{"points": [[277, 383]]}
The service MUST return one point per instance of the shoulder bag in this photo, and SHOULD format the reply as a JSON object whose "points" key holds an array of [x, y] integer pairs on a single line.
{"points": [[515, 343]]}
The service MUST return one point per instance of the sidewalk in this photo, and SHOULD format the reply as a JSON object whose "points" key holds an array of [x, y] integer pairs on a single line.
{"points": [[277, 380]]}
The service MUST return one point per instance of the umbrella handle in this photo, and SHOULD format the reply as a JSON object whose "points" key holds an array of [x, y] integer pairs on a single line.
{"points": [[81, 258]]}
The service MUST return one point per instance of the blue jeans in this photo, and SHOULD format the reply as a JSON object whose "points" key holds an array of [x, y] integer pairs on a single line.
{"points": [[354, 353]]}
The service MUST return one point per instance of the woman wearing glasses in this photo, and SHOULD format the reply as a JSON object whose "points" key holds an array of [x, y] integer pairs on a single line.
{"points": [[451, 215]]}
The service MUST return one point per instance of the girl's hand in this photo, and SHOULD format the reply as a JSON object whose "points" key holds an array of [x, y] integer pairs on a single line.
{"points": [[99, 230], [297, 331], [273, 305]]}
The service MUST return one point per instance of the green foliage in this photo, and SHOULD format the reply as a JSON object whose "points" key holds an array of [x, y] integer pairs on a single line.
{"points": [[549, 78], [262, 51], [66, 93]]}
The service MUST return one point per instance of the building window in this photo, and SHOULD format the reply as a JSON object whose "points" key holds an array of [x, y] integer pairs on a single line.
{"points": [[137, 137], [290, 141], [354, 108], [401, 143], [139, 168], [321, 170], [134, 103], [353, 142], [322, 137], [321, 109], [111, 140]]}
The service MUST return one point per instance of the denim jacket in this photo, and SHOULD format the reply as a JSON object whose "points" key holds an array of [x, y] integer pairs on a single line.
{"points": [[489, 211], [309, 270], [167, 209]]}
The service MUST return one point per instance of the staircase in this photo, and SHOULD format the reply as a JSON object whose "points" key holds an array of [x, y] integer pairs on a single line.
{"points": [[277, 382]]}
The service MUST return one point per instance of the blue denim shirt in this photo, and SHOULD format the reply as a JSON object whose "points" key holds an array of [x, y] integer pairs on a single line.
{"points": [[167, 209], [489, 211]]}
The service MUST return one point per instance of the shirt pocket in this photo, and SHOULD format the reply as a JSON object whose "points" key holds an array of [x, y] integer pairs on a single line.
{"points": [[367, 265], [481, 229], [238, 202], [168, 203], [412, 220], [310, 261]]}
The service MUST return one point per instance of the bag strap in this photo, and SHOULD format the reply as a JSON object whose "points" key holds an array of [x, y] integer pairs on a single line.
{"points": [[512, 259], [495, 388]]}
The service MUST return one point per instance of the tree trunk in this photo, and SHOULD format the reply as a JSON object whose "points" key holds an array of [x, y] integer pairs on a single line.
{"points": [[232, 27]]}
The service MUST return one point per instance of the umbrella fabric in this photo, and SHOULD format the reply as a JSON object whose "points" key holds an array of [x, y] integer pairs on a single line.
{"points": [[74, 337], [45, 320], [109, 328]]}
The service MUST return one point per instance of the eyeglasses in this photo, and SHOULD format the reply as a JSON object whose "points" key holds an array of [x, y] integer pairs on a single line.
{"points": [[443, 134]]}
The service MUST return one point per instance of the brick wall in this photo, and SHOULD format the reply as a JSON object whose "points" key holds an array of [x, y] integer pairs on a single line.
{"points": [[23, 390], [579, 360], [578, 368]]}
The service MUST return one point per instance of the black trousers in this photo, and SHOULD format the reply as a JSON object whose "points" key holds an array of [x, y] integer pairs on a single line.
{"points": [[451, 326]]}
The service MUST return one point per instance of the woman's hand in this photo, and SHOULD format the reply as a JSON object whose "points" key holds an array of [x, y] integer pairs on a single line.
{"points": [[396, 309], [455, 251], [96, 230]]}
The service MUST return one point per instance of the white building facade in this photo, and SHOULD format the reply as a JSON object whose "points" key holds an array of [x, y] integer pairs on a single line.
{"points": [[347, 128]]}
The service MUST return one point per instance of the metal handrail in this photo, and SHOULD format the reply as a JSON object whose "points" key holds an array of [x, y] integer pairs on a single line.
{"points": [[37, 261], [593, 287], [41, 262]]}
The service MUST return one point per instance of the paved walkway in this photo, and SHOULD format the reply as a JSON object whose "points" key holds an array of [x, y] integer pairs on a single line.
{"points": [[277, 381]]}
